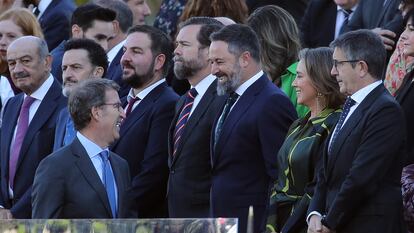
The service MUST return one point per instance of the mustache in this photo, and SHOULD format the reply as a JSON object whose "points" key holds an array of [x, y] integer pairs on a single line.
{"points": [[176, 58], [126, 64], [22, 74]]}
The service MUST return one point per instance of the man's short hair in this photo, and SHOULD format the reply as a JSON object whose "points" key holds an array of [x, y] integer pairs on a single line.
{"points": [[240, 38], [366, 46], [160, 43], [124, 14], [84, 15], [96, 54], [88, 94], [208, 26]]}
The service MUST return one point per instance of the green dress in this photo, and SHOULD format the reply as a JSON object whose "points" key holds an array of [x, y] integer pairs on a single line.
{"points": [[286, 85], [297, 160]]}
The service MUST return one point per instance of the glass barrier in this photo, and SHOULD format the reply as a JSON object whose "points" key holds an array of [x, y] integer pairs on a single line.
{"points": [[217, 225]]}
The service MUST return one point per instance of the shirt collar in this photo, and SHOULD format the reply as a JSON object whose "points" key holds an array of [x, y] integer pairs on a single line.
{"points": [[41, 92], [360, 95], [242, 88], [204, 84], [114, 51], [43, 4], [92, 149], [141, 95]]}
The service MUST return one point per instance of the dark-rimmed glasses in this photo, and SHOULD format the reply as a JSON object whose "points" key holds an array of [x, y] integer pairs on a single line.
{"points": [[117, 106], [336, 62]]}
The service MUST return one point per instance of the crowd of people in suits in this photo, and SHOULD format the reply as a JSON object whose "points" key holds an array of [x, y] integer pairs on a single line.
{"points": [[104, 117]]}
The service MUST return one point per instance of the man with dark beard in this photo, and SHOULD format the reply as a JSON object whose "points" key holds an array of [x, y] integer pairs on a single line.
{"points": [[189, 136], [250, 129], [149, 111]]}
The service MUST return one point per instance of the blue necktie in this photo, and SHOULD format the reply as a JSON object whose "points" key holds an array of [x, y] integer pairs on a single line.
{"points": [[69, 132], [347, 106], [229, 103], [183, 117], [109, 181]]}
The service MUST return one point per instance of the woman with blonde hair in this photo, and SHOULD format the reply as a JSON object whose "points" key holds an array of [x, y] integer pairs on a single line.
{"points": [[14, 23]]}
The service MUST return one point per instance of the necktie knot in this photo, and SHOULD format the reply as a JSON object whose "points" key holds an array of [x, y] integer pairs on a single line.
{"points": [[104, 155], [347, 12], [349, 103], [131, 103], [192, 93], [27, 102]]}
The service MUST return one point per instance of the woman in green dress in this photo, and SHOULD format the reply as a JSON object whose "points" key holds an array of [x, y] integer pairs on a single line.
{"points": [[299, 158]]}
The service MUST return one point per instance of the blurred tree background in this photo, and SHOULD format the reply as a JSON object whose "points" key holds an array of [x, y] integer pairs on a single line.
{"points": [[153, 4]]}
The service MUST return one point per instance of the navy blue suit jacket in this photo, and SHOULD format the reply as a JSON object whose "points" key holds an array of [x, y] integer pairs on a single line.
{"points": [[143, 143], [115, 73], [359, 186], [55, 22], [60, 129], [57, 55], [37, 144], [244, 159], [77, 190]]}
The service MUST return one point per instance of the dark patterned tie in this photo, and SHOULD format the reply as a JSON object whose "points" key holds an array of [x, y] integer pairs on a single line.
{"points": [[109, 181], [21, 130], [183, 117], [347, 14], [226, 110], [347, 106], [131, 103]]}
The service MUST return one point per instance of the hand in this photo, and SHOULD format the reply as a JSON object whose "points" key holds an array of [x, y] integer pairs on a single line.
{"points": [[315, 224], [387, 37], [5, 214]]}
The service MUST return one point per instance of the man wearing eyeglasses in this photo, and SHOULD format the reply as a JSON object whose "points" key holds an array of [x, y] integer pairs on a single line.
{"points": [[358, 188], [85, 179]]}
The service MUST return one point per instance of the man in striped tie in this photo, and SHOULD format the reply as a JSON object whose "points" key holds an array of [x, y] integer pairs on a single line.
{"points": [[190, 131]]}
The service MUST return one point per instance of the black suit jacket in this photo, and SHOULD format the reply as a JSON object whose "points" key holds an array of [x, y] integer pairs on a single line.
{"points": [[405, 96], [190, 169], [143, 144], [55, 22], [318, 24], [66, 185], [244, 159], [359, 186], [115, 73], [37, 144]]}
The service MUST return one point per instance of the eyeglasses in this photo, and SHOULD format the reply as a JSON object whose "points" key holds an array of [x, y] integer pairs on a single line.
{"points": [[117, 106], [336, 62]]}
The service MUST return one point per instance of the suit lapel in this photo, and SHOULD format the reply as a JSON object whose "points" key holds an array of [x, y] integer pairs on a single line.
{"points": [[352, 123], [114, 64], [383, 10], [46, 109], [405, 87], [195, 117], [242, 105], [88, 171]]}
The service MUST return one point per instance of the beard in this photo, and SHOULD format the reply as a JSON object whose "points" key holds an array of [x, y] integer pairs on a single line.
{"points": [[138, 80], [187, 68], [231, 83]]}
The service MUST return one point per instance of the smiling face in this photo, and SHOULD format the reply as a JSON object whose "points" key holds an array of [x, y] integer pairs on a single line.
{"points": [[407, 38], [112, 116], [138, 61], [189, 58], [27, 69], [9, 31], [225, 66], [76, 67], [306, 92]]}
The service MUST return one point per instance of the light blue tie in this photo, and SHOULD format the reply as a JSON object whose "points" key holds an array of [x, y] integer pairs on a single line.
{"points": [[69, 132], [109, 181]]}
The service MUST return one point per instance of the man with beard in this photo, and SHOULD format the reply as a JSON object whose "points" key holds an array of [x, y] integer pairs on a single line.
{"points": [[149, 111], [83, 59], [249, 131], [189, 137], [29, 123], [85, 179]]}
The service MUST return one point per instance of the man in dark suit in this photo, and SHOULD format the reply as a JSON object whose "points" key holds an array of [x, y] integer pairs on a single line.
{"points": [[85, 179], [358, 188], [149, 111], [54, 18], [189, 136], [88, 21], [83, 59], [29, 123], [324, 20], [382, 16], [122, 23], [249, 130]]}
